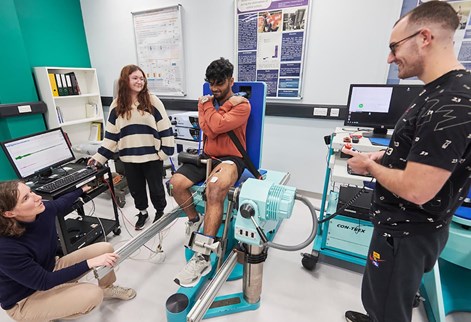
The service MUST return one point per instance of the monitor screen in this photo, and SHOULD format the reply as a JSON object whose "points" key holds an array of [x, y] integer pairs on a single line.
{"points": [[38, 153], [379, 106]]}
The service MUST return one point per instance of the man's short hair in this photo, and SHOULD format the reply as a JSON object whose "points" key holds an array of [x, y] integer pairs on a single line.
{"points": [[219, 70], [438, 12]]}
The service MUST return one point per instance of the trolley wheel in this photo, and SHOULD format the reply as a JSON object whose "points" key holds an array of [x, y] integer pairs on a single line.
{"points": [[117, 231], [309, 261]]}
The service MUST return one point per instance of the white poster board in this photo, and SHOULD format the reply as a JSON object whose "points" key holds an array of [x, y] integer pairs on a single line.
{"points": [[271, 40], [159, 48]]}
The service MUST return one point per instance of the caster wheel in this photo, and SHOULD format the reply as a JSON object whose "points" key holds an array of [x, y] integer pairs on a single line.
{"points": [[417, 300], [309, 261], [121, 202], [117, 231]]}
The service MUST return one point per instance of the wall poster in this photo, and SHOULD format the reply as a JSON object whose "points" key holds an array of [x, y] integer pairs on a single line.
{"points": [[271, 43], [159, 48], [462, 38]]}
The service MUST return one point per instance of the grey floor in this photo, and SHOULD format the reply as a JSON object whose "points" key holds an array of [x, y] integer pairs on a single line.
{"points": [[290, 293]]}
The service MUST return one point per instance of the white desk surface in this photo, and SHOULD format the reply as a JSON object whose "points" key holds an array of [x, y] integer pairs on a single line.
{"points": [[364, 145]]}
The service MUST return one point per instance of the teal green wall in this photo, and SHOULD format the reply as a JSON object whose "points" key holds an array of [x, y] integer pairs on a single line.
{"points": [[53, 32], [35, 33]]}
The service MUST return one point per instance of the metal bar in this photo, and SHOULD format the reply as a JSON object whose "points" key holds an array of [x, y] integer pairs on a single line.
{"points": [[207, 297], [253, 276], [285, 179], [227, 222], [135, 243]]}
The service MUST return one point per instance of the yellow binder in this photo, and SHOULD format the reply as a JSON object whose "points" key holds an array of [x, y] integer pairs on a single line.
{"points": [[52, 80]]}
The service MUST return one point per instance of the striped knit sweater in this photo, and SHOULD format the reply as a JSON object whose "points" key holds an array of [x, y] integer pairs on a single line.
{"points": [[144, 137]]}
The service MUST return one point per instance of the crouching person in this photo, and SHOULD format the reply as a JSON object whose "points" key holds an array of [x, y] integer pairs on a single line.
{"points": [[35, 285]]}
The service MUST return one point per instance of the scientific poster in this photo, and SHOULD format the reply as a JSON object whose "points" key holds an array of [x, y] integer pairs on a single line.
{"points": [[159, 48], [462, 38], [271, 44]]}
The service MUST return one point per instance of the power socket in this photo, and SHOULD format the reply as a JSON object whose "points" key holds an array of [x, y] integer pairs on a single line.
{"points": [[320, 111]]}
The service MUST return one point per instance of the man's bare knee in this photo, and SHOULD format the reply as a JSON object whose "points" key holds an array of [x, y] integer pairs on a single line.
{"points": [[180, 182], [216, 192]]}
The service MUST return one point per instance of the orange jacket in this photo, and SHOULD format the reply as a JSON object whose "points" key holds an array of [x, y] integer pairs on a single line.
{"points": [[216, 123]]}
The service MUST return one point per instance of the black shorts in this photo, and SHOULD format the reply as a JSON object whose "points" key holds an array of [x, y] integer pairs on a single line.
{"points": [[196, 174]]}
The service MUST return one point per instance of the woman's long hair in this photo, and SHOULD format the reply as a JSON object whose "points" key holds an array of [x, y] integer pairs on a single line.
{"points": [[9, 195], [124, 103]]}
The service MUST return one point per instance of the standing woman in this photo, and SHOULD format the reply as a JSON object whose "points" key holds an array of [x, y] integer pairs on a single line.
{"points": [[35, 285], [139, 128]]}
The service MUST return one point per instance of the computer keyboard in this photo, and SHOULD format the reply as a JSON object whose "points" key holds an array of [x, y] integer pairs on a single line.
{"points": [[73, 180]]}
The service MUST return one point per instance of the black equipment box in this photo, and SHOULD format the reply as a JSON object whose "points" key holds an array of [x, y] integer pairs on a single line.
{"points": [[359, 202]]}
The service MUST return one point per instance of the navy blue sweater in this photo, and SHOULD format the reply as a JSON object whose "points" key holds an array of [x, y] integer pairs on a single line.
{"points": [[27, 262]]}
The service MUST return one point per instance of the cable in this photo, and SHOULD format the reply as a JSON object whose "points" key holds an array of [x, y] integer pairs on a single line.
{"points": [[172, 165], [92, 214], [311, 237]]}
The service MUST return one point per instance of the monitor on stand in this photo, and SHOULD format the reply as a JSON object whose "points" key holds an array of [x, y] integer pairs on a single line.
{"points": [[36, 155], [378, 106]]}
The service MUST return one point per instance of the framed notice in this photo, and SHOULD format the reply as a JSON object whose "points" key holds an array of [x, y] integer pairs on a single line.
{"points": [[271, 43], [159, 48]]}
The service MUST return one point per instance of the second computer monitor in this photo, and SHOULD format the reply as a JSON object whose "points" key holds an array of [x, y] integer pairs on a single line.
{"points": [[379, 106]]}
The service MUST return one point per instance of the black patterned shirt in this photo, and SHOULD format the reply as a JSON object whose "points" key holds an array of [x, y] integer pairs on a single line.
{"points": [[435, 130]]}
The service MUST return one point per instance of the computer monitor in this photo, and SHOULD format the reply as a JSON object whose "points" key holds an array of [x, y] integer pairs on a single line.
{"points": [[37, 154], [379, 106]]}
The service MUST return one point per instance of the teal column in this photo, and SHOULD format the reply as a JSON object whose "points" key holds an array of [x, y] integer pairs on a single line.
{"points": [[16, 83]]}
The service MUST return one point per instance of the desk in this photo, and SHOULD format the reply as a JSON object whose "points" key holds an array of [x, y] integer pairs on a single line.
{"points": [[364, 144], [77, 233]]}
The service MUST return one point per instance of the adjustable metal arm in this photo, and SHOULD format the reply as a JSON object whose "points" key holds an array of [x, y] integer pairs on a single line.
{"points": [[135, 243], [207, 297]]}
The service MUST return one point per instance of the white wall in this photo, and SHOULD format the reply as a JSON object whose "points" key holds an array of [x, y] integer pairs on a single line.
{"points": [[347, 43]]}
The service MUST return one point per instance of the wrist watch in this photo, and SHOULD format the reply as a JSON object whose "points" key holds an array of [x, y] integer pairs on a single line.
{"points": [[204, 99]]}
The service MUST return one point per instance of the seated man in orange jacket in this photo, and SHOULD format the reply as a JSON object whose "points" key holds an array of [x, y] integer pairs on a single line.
{"points": [[217, 115]]}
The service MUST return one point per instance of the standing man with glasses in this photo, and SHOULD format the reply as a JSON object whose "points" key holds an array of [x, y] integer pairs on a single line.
{"points": [[424, 175]]}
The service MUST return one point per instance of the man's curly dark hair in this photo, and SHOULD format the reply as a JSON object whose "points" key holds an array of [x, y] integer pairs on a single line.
{"points": [[218, 71]]}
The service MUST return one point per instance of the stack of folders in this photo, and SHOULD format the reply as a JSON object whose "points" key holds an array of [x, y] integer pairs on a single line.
{"points": [[96, 132], [64, 84]]}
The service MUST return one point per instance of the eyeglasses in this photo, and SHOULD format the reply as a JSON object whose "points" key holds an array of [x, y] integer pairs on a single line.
{"points": [[142, 79], [393, 46]]}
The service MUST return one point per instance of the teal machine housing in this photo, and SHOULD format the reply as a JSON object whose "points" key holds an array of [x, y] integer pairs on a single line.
{"points": [[268, 204], [446, 288]]}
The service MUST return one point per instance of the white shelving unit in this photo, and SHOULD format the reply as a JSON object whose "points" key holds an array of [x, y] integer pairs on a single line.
{"points": [[73, 108]]}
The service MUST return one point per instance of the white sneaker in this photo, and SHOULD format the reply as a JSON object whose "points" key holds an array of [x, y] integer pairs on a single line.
{"points": [[118, 292], [191, 274], [191, 227]]}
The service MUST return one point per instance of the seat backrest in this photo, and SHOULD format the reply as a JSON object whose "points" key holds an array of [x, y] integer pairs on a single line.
{"points": [[256, 95]]}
